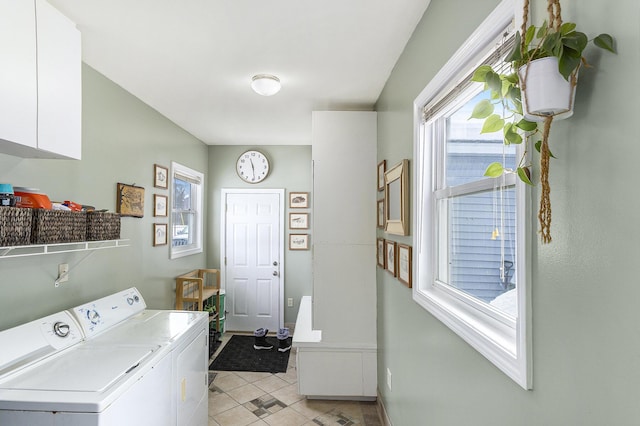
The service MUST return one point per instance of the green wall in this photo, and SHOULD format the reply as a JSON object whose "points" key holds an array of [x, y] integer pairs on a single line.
{"points": [[122, 139], [290, 170], [586, 332]]}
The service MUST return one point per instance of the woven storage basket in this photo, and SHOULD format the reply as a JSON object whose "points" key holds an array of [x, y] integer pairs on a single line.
{"points": [[15, 226], [103, 226], [57, 226]]}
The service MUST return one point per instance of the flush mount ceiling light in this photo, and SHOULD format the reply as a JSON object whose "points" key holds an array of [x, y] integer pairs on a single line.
{"points": [[265, 84]]}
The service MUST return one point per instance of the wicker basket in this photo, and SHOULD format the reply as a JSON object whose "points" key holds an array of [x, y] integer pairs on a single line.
{"points": [[103, 226], [57, 226], [15, 226]]}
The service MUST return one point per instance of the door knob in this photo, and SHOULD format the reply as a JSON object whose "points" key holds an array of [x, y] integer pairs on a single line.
{"points": [[275, 273], [275, 263]]}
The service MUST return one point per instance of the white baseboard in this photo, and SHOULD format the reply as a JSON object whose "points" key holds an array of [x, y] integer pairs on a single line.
{"points": [[382, 412]]}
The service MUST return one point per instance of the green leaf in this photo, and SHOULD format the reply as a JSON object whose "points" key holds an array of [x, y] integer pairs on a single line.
{"points": [[576, 41], [568, 64], [494, 82], [539, 144], [552, 44], [515, 54], [483, 109], [524, 176], [494, 170], [480, 73], [567, 27], [528, 37], [605, 41], [526, 125], [542, 32], [493, 123], [511, 135]]}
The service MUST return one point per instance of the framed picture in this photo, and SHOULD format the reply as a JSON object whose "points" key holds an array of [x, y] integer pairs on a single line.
{"points": [[381, 253], [390, 257], [404, 264], [298, 241], [299, 220], [160, 176], [130, 200], [160, 205], [396, 196], [159, 234], [381, 213], [382, 167], [298, 200]]}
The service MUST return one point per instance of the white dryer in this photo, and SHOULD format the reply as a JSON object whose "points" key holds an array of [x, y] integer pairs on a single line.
{"points": [[108, 362]]}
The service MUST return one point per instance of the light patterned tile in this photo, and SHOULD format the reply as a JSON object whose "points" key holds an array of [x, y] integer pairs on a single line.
{"points": [[291, 376], [253, 376], [220, 402], [228, 382], [312, 408], [265, 406], [286, 417], [238, 416], [288, 394], [245, 393], [271, 384]]}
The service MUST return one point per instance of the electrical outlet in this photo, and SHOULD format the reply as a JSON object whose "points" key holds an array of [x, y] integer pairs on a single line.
{"points": [[63, 272], [290, 302], [389, 379]]}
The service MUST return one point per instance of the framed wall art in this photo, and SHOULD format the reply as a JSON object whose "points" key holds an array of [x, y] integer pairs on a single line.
{"points": [[404, 265], [396, 195], [159, 234], [160, 205], [381, 255], [390, 257], [298, 220], [160, 176], [381, 213], [130, 200], [298, 241], [382, 167], [298, 200]]}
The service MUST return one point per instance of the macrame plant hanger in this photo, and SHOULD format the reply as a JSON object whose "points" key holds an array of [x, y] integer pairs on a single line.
{"points": [[544, 214]]}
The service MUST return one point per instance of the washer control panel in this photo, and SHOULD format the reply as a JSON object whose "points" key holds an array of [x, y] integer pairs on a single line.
{"points": [[102, 314]]}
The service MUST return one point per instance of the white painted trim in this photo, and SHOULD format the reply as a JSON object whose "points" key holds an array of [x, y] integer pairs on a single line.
{"points": [[223, 238], [505, 343], [178, 252]]}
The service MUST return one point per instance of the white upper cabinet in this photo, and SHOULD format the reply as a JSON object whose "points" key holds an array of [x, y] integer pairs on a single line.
{"points": [[40, 81], [59, 83], [18, 85]]}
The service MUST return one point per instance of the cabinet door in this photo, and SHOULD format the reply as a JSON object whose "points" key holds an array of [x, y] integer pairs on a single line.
{"points": [[59, 83], [18, 111]]}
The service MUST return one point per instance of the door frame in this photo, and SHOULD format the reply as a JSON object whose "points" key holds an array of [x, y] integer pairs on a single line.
{"points": [[224, 192]]}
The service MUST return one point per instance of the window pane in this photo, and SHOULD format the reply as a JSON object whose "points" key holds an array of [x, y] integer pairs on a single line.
{"points": [[468, 152], [183, 228], [480, 254], [181, 194]]}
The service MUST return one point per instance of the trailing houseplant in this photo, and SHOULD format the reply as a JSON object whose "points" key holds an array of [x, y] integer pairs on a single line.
{"points": [[504, 110]]}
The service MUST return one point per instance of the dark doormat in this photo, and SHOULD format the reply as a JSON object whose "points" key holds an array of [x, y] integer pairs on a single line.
{"points": [[239, 355]]}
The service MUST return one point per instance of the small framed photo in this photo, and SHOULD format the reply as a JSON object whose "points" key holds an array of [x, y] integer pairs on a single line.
{"points": [[160, 176], [299, 220], [159, 234], [130, 200], [160, 205], [390, 257], [381, 253], [298, 241], [404, 265], [381, 213], [382, 167], [298, 200]]}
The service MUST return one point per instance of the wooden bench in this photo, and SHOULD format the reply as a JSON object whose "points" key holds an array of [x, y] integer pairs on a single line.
{"points": [[195, 287]]}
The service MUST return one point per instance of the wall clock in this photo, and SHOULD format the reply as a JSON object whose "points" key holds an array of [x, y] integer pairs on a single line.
{"points": [[252, 166]]}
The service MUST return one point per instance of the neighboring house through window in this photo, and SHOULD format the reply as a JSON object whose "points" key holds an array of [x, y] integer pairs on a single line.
{"points": [[471, 230]]}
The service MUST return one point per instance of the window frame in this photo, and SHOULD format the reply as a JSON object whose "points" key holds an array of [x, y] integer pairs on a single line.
{"points": [[197, 246], [502, 339]]}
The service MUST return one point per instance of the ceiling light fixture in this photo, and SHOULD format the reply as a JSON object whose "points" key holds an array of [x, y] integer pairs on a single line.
{"points": [[265, 84]]}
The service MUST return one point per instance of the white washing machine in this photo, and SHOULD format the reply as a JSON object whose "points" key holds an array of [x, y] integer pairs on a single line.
{"points": [[107, 362]]}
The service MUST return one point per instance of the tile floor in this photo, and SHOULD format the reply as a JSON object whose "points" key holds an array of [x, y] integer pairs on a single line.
{"points": [[248, 398]]}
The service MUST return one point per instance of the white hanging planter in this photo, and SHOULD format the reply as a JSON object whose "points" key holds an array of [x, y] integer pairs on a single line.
{"points": [[545, 92]]}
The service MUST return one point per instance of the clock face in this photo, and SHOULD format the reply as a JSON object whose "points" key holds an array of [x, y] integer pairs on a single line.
{"points": [[252, 166]]}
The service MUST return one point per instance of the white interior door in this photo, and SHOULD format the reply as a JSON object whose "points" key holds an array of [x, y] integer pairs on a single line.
{"points": [[252, 257]]}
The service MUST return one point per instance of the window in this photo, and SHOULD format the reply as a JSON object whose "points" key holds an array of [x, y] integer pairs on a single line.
{"points": [[186, 211], [472, 231]]}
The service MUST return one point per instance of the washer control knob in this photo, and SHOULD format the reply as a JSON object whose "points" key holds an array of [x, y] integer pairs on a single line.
{"points": [[61, 329], [93, 316], [130, 300]]}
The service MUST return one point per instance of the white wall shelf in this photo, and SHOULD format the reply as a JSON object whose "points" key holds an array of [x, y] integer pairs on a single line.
{"points": [[42, 249]]}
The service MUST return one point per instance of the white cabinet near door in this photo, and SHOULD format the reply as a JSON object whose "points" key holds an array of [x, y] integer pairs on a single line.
{"points": [[40, 81]]}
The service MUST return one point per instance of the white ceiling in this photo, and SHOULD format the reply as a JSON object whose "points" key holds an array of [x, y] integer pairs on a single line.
{"points": [[192, 60]]}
